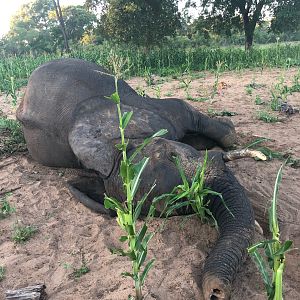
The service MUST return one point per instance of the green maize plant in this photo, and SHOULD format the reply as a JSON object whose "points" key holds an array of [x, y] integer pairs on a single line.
{"points": [[163, 61], [274, 251], [129, 211], [192, 193]]}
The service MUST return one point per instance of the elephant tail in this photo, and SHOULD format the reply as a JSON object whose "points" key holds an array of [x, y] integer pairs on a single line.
{"points": [[236, 226]]}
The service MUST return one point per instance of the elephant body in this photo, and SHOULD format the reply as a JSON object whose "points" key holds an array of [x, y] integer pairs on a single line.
{"points": [[68, 121]]}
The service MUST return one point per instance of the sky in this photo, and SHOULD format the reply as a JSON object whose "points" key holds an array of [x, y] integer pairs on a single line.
{"points": [[11, 7]]}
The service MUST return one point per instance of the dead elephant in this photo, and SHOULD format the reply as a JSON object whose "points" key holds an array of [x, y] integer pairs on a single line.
{"points": [[69, 122]]}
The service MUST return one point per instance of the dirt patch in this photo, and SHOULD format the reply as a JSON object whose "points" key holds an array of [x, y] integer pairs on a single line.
{"points": [[66, 228]]}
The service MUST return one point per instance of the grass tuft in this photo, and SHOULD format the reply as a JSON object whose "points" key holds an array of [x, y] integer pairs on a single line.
{"points": [[12, 138], [22, 233], [6, 209], [267, 117], [2, 272]]}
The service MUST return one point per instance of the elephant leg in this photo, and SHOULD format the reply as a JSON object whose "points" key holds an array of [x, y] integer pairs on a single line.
{"points": [[220, 130], [90, 192], [197, 141]]}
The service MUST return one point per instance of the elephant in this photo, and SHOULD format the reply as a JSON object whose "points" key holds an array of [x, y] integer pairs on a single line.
{"points": [[68, 121]]}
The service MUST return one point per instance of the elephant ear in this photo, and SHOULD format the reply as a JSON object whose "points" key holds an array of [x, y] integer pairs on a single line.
{"points": [[93, 149]]}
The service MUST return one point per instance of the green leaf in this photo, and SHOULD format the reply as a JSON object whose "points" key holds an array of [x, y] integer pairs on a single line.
{"points": [[141, 257], [159, 133], [140, 204], [114, 97], [123, 170], [120, 147], [127, 274], [117, 251], [274, 228], [181, 172], [284, 248], [262, 244], [177, 206], [262, 268], [146, 270], [112, 203], [121, 252], [146, 142], [138, 169], [140, 236], [257, 142], [123, 238], [147, 238], [126, 118]]}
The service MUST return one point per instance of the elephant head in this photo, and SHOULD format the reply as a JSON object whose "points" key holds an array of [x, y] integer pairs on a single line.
{"points": [[69, 122]]}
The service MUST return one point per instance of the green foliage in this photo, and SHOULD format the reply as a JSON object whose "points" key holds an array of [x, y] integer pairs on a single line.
{"points": [[259, 100], [267, 117], [219, 68], [274, 251], [281, 90], [194, 193], [12, 138], [142, 23], [81, 271], [12, 91], [272, 154], [163, 61], [191, 193], [233, 11], [6, 209], [249, 90], [186, 81], [129, 211], [223, 113], [34, 28], [22, 233], [279, 94], [78, 272], [2, 272], [286, 10]]}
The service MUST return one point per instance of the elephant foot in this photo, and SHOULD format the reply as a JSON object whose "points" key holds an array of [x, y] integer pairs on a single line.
{"points": [[215, 289], [230, 138], [90, 192]]}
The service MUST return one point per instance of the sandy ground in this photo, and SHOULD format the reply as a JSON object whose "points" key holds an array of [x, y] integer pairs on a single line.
{"points": [[66, 228]]}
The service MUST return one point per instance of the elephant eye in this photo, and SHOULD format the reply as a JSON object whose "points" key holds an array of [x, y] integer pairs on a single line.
{"points": [[172, 156]]}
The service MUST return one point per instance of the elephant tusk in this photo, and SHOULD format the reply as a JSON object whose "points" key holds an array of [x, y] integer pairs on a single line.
{"points": [[236, 154], [258, 228]]}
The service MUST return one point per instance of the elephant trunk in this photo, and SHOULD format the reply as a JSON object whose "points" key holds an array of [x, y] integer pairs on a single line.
{"points": [[236, 224]]}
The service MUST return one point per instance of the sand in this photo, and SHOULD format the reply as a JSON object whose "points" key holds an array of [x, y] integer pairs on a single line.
{"points": [[67, 229]]}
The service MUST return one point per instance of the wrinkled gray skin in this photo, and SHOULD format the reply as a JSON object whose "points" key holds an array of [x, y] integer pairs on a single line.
{"points": [[69, 122]]}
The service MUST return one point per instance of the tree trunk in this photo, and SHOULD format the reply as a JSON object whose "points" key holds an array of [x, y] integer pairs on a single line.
{"points": [[248, 40], [250, 24], [62, 24], [249, 31]]}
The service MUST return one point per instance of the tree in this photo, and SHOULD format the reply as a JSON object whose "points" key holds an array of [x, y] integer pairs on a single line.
{"points": [[286, 10], [78, 23], [143, 23], [61, 23], [251, 12], [29, 29], [216, 25], [35, 27]]}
